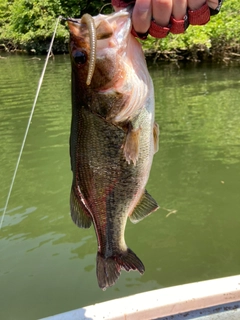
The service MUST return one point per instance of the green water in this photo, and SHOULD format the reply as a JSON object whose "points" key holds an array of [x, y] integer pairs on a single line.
{"points": [[47, 264]]}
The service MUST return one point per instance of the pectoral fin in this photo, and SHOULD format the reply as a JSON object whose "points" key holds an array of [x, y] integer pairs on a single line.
{"points": [[156, 136], [145, 206], [131, 145], [79, 212]]}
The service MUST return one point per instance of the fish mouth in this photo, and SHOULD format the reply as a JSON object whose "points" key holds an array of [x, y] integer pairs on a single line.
{"points": [[88, 20], [102, 30]]}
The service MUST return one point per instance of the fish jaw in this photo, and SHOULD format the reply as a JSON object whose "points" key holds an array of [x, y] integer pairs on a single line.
{"points": [[120, 77], [111, 35], [121, 83]]}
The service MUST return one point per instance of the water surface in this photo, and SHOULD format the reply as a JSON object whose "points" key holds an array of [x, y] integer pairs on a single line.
{"points": [[47, 264]]}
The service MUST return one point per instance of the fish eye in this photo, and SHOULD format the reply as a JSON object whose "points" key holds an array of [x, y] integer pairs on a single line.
{"points": [[80, 57]]}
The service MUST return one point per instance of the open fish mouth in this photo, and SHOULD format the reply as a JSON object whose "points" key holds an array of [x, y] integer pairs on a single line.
{"points": [[88, 20], [98, 29]]}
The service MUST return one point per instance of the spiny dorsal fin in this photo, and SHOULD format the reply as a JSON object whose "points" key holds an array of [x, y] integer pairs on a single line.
{"points": [[145, 206], [79, 212]]}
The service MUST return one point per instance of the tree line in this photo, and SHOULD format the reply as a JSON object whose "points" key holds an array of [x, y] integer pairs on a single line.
{"points": [[29, 24]]}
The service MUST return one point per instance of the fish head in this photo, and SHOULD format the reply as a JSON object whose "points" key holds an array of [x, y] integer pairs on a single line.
{"points": [[97, 46]]}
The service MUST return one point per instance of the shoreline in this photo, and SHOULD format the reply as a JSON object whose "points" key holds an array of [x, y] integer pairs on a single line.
{"points": [[198, 53]]}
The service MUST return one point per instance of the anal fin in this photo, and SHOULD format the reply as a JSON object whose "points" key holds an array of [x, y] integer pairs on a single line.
{"points": [[145, 207], [79, 213]]}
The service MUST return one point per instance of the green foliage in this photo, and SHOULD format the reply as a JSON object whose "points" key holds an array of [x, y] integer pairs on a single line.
{"points": [[5, 17], [215, 38], [29, 25]]}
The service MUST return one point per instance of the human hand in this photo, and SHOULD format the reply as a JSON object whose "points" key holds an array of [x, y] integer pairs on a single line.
{"points": [[159, 17]]}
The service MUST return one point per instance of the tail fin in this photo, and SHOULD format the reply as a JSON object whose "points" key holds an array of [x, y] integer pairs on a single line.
{"points": [[109, 269]]}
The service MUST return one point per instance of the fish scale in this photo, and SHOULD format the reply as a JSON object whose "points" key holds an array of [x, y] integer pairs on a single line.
{"points": [[113, 138]]}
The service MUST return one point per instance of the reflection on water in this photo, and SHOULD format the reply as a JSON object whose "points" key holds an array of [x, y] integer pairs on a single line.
{"points": [[195, 178], [201, 108], [16, 218]]}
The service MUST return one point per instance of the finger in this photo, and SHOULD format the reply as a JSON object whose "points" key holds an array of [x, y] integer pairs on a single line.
{"points": [[195, 4], [179, 9], [142, 14], [213, 3], [179, 20], [162, 10], [198, 16]]}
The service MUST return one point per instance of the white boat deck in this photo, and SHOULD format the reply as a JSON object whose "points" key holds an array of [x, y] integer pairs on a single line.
{"points": [[230, 311], [217, 299]]}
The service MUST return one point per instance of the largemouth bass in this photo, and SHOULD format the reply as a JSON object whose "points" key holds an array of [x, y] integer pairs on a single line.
{"points": [[113, 136]]}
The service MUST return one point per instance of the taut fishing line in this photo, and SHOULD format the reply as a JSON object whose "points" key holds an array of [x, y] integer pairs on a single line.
{"points": [[29, 121]]}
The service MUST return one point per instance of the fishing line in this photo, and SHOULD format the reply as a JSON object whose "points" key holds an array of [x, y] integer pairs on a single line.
{"points": [[29, 121]]}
